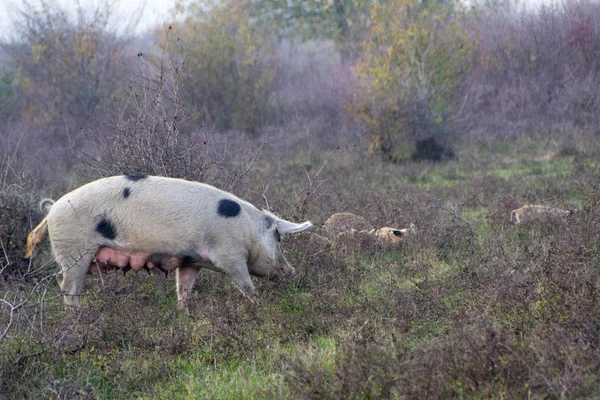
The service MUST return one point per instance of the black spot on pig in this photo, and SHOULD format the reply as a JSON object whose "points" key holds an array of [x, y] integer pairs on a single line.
{"points": [[136, 177], [228, 208], [106, 228], [269, 220], [189, 256], [159, 259], [126, 192]]}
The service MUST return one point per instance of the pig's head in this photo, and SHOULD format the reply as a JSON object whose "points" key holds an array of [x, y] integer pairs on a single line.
{"points": [[270, 261], [389, 235]]}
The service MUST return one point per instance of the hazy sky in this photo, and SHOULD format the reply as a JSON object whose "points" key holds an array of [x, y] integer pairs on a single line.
{"points": [[155, 11]]}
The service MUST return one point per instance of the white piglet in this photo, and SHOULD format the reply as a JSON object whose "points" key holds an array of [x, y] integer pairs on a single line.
{"points": [[140, 221]]}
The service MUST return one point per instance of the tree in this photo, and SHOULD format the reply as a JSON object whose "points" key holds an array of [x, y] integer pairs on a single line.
{"points": [[343, 21], [409, 72], [8, 99], [65, 64], [229, 64]]}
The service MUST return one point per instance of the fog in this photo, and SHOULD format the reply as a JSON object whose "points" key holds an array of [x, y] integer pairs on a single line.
{"points": [[427, 120], [149, 12]]}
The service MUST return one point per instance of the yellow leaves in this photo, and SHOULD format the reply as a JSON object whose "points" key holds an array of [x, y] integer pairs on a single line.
{"points": [[413, 51], [37, 51], [84, 46], [374, 144], [229, 62], [390, 51]]}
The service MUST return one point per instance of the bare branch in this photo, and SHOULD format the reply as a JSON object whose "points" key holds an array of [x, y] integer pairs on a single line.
{"points": [[264, 195], [256, 156], [313, 184]]}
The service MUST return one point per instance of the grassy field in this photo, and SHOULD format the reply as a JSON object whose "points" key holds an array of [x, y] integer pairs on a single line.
{"points": [[469, 307]]}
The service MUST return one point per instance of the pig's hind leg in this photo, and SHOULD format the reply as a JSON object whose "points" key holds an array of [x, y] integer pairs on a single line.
{"points": [[75, 263]]}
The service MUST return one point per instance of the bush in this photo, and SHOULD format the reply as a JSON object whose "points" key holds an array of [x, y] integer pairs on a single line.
{"points": [[151, 130], [230, 62], [9, 101], [64, 66], [18, 205], [410, 71], [533, 70], [15, 222]]}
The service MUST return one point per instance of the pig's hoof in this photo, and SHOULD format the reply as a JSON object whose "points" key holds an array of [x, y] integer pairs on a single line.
{"points": [[184, 309], [253, 299]]}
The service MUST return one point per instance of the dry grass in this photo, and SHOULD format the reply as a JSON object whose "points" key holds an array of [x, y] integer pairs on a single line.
{"points": [[470, 306]]}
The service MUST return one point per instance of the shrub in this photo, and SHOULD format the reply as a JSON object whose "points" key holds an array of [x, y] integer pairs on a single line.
{"points": [[17, 205], [64, 66], [533, 70], [230, 62], [9, 103], [410, 72]]}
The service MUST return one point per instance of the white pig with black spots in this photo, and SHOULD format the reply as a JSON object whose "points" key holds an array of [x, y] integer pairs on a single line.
{"points": [[140, 221]]}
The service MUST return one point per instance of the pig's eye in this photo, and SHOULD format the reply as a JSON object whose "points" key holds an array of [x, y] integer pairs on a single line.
{"points": [[277, 235]]}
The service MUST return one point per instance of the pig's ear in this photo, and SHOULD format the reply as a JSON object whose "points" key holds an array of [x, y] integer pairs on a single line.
{"points": [[291, 227]]}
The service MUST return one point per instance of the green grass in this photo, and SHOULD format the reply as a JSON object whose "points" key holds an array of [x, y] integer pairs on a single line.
{"points": [[409, 301], [254, 376]]}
